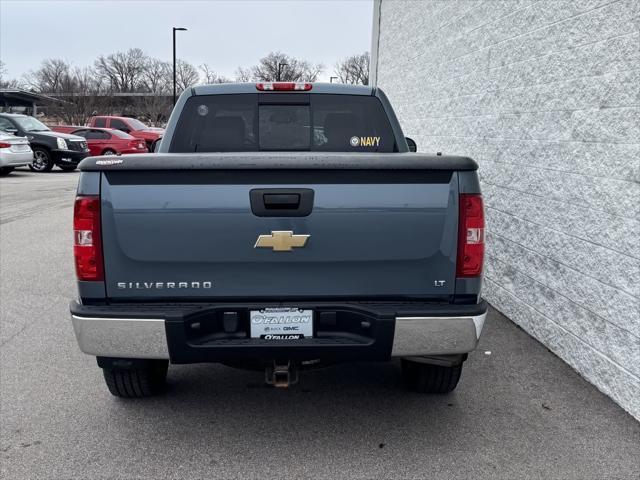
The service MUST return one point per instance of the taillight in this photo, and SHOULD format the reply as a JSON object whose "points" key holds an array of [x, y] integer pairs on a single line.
{"points": [[5, 145], [283, 86], [87, 245], [470, 236]]}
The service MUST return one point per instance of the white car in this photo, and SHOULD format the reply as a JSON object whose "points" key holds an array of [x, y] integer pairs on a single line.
{"points": [[14, 152]]}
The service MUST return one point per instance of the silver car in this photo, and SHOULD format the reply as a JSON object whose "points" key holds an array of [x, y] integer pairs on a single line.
{"points": [[14, 152]]}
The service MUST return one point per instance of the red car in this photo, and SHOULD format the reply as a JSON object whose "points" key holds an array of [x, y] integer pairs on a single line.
{"points": [[106, 141], [131, 126]]}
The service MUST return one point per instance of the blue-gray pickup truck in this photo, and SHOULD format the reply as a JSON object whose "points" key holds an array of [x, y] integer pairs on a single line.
{"points": [[280, 227]]}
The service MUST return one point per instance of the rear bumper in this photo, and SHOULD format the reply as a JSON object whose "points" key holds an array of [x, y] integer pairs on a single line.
{"points": [[347, 331], [15, 159]]}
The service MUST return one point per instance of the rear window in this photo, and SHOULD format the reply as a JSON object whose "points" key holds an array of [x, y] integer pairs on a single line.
{"points": [[100, 122], [281, 122], [120, 134], [118, 124]]}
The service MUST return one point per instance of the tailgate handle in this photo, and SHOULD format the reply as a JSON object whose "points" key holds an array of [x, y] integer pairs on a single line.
{"points": [[281, 202]]}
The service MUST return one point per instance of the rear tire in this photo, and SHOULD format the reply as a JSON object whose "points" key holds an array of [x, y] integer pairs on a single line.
{"points": [[426, 378], [108, 151], [138, 381], [42, 161], [6, 170]]}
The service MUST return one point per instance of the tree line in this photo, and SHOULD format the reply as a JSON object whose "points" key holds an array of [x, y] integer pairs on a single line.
{"points": [[91, 89]]}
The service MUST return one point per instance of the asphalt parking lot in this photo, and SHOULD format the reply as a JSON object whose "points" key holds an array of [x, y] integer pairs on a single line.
{"points": [[519, 411]]}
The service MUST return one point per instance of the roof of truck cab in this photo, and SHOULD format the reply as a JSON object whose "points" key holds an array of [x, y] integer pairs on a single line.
{"points": [[230, 88]]}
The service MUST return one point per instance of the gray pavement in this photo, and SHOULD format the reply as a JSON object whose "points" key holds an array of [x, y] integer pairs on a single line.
{"points": [[519, 412]]}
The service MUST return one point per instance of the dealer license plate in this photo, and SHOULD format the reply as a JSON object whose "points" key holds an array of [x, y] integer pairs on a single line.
{"points": [[20, 147], [281, 323]]}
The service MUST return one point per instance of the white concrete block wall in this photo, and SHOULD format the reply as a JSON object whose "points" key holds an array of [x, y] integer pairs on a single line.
{"points": [[545, 95]]}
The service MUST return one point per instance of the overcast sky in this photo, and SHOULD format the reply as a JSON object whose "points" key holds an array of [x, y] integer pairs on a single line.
{"points": [[224, 34]]}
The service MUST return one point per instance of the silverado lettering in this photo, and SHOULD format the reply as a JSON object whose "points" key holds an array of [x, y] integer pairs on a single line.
{"points": [[162, 285]]}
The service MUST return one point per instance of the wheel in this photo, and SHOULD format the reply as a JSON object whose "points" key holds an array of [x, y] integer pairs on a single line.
{"points": [[108, 151], [426, 378], [42, 161], [6, 170], [138, 381], [67, 168]]}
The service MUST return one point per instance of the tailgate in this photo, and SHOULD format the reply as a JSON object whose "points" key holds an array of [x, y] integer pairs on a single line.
{"points": [[192, 234]]}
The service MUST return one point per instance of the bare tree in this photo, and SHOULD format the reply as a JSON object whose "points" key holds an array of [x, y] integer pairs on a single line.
{"points": [[156, 76], [123, 70], [278, 66], [79, 89], [186, 75], [89, 90], [84, 95], [354, 69], [157, 83], [4, 82], [50, 77], [243, 75], [209, 76]]}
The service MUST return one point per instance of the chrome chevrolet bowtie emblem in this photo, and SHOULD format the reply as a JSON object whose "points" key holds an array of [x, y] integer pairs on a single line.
{"points": [[281, 241]]}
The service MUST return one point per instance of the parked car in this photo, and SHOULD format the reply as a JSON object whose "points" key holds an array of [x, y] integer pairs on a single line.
{"points": [[132, 126], [252, 242], [49, 148], [14, 152], [106, 141]]}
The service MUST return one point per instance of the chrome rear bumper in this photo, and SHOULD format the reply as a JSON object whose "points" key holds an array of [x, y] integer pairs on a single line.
{"points": [[121, 337], [155, 333], [418, 336]]}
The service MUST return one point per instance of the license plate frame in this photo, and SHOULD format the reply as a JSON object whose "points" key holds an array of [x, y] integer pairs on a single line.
{"points": [[281, 323]]}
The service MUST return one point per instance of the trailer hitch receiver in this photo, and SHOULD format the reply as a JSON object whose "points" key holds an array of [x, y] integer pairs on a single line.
{"points": [[281, 375]]}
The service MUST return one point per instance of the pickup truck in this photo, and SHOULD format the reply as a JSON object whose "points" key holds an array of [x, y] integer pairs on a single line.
{"points": [[281, 226]]}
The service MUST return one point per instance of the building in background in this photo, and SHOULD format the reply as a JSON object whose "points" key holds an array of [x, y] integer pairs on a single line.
{"points": [[545, 95], [21, 101]]}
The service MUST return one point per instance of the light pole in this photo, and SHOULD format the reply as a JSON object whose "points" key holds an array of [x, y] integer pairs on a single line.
{"points": [[278, 74], [174, 60]]}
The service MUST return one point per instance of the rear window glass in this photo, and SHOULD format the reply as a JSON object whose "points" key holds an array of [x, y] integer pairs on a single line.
{"points": [[81, 133], [120, 134], [281, 122], [118, 124], [100, 122]]}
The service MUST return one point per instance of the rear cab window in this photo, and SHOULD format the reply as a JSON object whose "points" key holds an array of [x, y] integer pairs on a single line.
{"points": [[118, 124], [283, 122], [100, 122]]}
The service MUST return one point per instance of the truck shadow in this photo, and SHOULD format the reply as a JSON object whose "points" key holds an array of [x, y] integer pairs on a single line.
{"points": [[361, 403]]}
